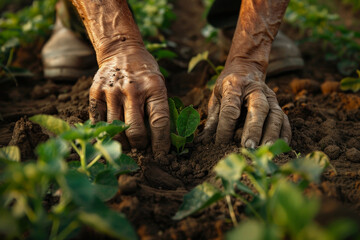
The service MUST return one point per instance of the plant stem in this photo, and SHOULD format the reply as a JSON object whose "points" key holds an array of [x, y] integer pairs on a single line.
{"points": [[66, 232], [75, 148], [54, 228], [83, 155], [94, 160], [231, 210], [213, 66], [249, 206]]}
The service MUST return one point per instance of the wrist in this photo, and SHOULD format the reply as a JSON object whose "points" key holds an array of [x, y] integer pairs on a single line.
{"points": [[116, 45]]}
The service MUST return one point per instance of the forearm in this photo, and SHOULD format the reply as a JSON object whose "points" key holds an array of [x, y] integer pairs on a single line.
{"points": [[257, 26], [110, 26]]}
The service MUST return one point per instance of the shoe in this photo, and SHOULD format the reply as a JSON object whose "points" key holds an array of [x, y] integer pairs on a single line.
{"points": [[66, 57], [285, 56]]}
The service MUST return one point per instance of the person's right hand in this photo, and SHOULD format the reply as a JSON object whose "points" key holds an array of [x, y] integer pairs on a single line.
{"points": [[127, 87]]}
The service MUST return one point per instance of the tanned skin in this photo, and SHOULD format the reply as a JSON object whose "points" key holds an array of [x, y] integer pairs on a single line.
{"points": [[129, 85]]}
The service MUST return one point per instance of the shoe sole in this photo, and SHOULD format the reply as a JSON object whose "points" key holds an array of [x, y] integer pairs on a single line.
{"points": [[284, 65], [67, 74]]}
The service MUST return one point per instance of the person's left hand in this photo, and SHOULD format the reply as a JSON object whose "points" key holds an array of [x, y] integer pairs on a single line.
{"points": [[241, 84]]}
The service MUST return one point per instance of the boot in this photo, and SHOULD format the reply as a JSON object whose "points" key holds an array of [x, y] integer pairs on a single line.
{"points": [[66, 56]]}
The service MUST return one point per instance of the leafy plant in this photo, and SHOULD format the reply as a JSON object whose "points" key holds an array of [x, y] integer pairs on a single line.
{"points": [[350, 83], [275, 201], [323, 26], [152, 16], [205, 57], [52, 198], [23, 28], [183, 123]]}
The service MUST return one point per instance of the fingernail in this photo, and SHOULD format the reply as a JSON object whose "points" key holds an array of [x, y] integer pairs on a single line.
{"points": [[250, 144], [286, 140], [269, 143]]}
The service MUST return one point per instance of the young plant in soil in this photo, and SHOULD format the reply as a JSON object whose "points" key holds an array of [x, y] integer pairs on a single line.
{"points": [[277, 207], [183, 124], [51, 198]]}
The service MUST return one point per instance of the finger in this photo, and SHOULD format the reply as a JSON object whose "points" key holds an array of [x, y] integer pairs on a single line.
{"points": [[274, 122], [97, 105], [257, 112], [114, 105], [286, 130], [159, 120], [229, 114], [115, 112], [134, 116], [211, 122]]}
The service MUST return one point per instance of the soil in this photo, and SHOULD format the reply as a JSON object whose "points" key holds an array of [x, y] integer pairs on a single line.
{"points": [[322, 118]]}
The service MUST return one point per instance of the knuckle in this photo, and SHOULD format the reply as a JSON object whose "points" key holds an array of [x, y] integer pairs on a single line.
{"points": [[159, 120], [230, 111]]}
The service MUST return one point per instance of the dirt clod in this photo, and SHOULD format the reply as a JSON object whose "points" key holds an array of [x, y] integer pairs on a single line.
{"points": [[353, 155], [332, 151]]}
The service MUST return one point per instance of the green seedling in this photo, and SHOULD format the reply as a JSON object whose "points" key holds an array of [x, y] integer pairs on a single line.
{"points": [[81, 187], [350, 83], [183, 124], [275, 201], [205, 57]]}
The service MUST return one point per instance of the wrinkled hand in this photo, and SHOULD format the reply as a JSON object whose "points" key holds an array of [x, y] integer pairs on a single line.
{"points": [[127, 87], [265, 122]]}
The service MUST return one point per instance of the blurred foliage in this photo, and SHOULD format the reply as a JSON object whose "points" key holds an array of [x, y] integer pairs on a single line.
{"points": [[351, 83], [21, 28], [354, 3], [152, 15], [322, 25]]}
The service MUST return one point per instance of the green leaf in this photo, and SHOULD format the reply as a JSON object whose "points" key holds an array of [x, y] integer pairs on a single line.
{"points": [[111, 150], [320, 158], [350, 83], [188, 121], [52, 154], [198, 58], [244, 188], [96, 168], [285, 201], [111, 129], [90, 152], [78, 186], [164, 53], [106, 185], [10, 153], [310, 167], [280, 146], [109, 222], [190, 138], [197, 199], [81, 132], [178, 141], [178, 103], [125, 164], [53, 124], [230, 170], [173, 115], [254, 230]]}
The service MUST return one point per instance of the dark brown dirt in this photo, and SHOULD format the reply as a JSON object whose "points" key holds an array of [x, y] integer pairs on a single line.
{"points": [[326, 120]]}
